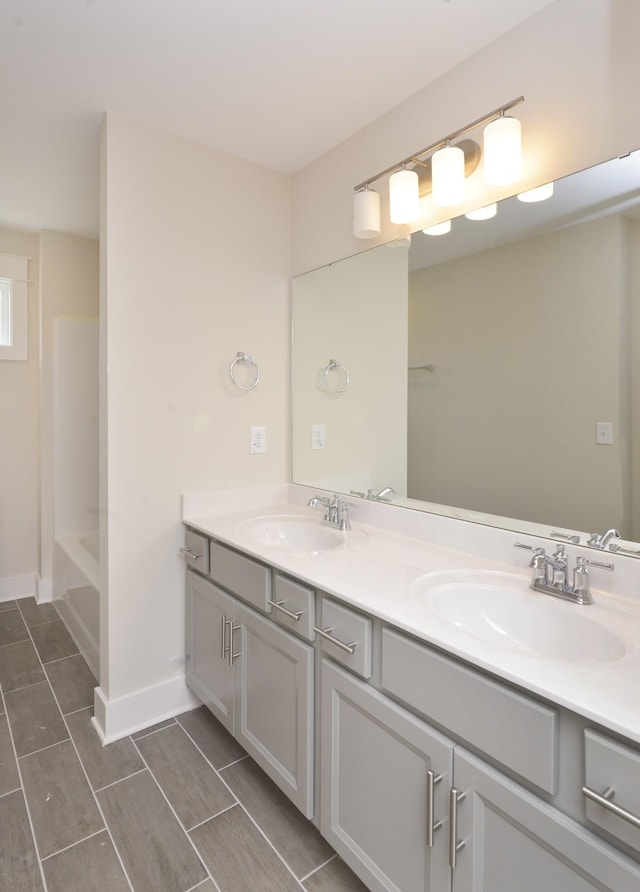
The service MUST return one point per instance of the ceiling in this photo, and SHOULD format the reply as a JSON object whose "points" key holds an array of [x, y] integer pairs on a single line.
{"points": [[278, 82]]}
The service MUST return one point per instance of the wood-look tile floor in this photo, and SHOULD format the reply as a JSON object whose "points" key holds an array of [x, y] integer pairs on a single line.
{"points": [[174, 808]]}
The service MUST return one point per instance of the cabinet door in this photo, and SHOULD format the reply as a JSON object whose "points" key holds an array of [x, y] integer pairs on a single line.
{"points": [[210, 614], [512, 840], [274, 704], [375, 760]]}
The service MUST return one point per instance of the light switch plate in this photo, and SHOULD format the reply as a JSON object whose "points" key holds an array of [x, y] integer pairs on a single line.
{"points": [[604, 433]]}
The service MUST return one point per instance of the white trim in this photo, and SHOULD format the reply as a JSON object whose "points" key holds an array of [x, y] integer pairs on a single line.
{"points": [[45, 589], [12, 587], [114, 719], [15, 268]]}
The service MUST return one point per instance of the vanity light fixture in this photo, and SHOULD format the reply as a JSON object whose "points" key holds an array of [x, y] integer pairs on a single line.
{"points": [[485, 213], [447, 165], [540, 193], [404, 196], [438, 229], [502, 151], [366, 213]]}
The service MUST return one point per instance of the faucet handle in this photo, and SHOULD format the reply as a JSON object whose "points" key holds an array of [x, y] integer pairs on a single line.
{"points": [[582, 561]]}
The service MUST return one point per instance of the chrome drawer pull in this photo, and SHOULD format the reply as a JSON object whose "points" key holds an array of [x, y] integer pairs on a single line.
{"points": [[604, 799], [325, 633], [232, 629], [454, 846], [189, 554], [432, 780], [223, 639], [278, 606]]}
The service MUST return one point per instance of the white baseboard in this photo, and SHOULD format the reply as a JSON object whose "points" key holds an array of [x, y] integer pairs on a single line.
{"points": [[12, 587], [114, 719], [45, 590]]}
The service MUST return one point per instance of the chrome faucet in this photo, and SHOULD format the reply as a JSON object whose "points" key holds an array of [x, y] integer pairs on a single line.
{"points": [[336, 510], [385, 494], [603, 540], [556, 569], [550, 574]]}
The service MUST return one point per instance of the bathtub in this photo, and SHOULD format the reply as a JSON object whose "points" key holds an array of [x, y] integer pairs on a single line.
{"points": [[76, 591]]}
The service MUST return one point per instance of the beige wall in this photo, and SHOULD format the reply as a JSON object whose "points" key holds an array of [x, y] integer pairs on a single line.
{"points": [[196, 259], [354, 312], [69, 288], [576, 65], [530, 346], [19, 443]]}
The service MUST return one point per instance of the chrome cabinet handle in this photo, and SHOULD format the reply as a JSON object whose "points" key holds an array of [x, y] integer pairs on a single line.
{"points": [[230, 652], [189, 554], [223, 638], [454, 846], [326, 633], [432, 780], [278, 606], [604, 799]]}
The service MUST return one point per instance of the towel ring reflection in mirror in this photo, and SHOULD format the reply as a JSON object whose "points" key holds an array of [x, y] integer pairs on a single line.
{"points": [[244, 358], [342, 381]]}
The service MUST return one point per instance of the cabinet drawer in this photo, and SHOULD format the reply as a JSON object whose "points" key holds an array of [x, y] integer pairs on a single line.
{"points": [[196, 551], [351, 629], [241, 575], [293, 598], [612, 766], [516, 731]]}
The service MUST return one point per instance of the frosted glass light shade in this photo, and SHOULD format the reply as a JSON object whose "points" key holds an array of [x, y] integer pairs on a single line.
{"points": [[366, 214], [540, 193], [485, 213], [439, 228], [447, 171], [404, 196], [502, 151]]}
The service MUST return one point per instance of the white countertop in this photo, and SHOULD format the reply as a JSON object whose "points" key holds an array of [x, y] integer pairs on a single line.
{"points": [[377, 569]]}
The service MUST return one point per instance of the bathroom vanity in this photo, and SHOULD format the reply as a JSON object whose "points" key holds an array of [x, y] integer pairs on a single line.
{"points": [[430, 759]]}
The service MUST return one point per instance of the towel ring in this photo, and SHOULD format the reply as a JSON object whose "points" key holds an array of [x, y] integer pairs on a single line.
{"points": [[332, 364], [244, 357]]}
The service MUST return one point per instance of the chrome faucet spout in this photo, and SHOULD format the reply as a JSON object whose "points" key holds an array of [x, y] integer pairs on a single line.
{"points": [[550, 574], [602, 541], [336, 512], [384, 495]]}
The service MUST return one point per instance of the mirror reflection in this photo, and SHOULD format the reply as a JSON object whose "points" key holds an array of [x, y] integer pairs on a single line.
{"points": [[493, 371]]}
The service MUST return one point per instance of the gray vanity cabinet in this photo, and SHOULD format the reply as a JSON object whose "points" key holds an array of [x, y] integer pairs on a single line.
{"points": [[257, 679], [380, 791], [208, 673], [274, 703], [513, 840], [377, 803]]}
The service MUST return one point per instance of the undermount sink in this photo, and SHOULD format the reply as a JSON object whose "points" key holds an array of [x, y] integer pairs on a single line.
{"points": [[298, 533], [501, 610]]}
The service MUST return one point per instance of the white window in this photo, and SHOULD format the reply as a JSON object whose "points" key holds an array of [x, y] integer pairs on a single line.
{"points": [[13, 307]]}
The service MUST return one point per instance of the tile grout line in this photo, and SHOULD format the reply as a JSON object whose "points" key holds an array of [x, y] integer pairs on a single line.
{"points": [[244, 809], [319, 867], [211, 817], [84, 771], [120, 779], [72, 845], [24, 795], [141, 736], [175, 814]]}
